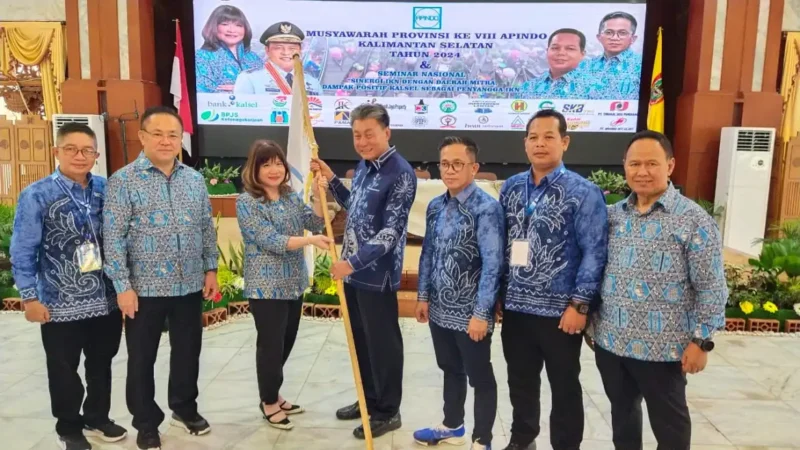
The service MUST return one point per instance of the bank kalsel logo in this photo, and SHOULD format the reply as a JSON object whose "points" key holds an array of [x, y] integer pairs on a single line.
{"points": [[448, 121], [448, 106], [279, 101], [483, 120], [419, 121], [519, 106]]}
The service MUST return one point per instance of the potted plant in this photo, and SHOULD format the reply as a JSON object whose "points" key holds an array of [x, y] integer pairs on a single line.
{"points": [[613, 185], [7, 288], [322, 294], [767, 295], [219, 181]]}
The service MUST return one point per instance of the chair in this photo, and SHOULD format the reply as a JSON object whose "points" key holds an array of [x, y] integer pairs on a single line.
{"points": [[422, 174], [488, 176]]}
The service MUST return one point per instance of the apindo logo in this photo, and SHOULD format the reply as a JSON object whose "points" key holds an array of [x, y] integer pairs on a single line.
{"points": [[427, 18]]}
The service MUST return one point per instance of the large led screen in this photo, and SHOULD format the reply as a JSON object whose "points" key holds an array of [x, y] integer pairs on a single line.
{"points": [[449, 66]]}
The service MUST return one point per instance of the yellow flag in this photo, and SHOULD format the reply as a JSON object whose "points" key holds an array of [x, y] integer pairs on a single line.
{"points": [[655, 112]]}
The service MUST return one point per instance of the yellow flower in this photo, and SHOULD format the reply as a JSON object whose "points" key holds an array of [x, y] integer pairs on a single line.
{"points": [[331, 290], [770, 307], [746, 307]]}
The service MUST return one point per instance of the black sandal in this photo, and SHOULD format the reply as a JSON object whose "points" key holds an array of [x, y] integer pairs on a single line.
{"points": [[295, 409], [284, 424]]}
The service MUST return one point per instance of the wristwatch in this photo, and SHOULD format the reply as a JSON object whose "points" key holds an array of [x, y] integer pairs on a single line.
{"points": [[705, 345], [582, 308]]}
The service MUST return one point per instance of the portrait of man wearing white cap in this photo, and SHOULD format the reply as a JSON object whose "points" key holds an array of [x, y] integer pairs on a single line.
{"points": [[282, 40]]}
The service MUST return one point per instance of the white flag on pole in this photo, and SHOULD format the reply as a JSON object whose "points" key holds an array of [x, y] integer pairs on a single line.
{"points": [[298, 154]]}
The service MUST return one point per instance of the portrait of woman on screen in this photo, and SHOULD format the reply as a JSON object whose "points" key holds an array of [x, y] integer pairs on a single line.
{"points": [[225, 52]]}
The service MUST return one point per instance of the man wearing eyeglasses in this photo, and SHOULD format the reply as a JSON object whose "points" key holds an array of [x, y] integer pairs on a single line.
{"points": [[161, 254], [57, 265], [459, 274], [619, 66]]}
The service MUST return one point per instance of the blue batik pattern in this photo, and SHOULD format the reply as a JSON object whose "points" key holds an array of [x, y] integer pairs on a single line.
{"points": [[270, 270], [621, 75], [220, 67], [462, 258], [160, 236], [48, 229], [377, 207], [567, 235], [576, 84], [664, 281]]}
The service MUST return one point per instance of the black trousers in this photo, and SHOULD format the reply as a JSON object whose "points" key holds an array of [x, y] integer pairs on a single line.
{"points": [[98, 338], [663, 387], [277, 322], [459, 357], [143, 334], [379, 348], [530, 342]]}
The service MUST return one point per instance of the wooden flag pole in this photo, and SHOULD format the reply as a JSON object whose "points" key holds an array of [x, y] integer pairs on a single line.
{"points": [[309, 132]]}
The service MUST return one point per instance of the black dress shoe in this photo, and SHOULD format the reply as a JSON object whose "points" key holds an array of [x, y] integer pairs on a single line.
{"points": [[379, 427], [517, 446], [349, 412]]}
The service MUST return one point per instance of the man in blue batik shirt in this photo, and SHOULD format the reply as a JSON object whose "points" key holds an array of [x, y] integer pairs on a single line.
{"points": [[57, 265], [557, 233], [566, 48], [663, 297], [618, 66], [378, 203], [459, 273], [161, 255]]}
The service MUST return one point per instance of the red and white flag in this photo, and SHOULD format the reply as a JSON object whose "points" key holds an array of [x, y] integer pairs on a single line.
{"points": [[180, 90]]}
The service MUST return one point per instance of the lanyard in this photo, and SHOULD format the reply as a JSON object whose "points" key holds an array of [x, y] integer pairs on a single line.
{"points": [[84, 207], [531, 206]]}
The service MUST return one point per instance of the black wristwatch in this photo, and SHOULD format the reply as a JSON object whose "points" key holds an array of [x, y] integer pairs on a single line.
{"points": [[582, 308], [705, 345]]}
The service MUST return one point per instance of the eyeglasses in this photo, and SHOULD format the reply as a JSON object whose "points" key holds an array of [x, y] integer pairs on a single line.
{"points": [[456, 165], [622, 34], [159, 136], [71, 150]]}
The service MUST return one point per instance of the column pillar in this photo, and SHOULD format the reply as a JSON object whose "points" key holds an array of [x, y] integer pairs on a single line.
{"points": [[729, 80], [111, 59]]}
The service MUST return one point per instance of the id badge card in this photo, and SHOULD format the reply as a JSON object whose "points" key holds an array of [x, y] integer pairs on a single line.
{"points": [[519, 253], [89, 259]]}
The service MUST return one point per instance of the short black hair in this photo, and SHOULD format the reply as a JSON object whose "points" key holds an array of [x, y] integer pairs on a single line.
{"points": [[656, 136], [468, 142], [75, 127], [618, 15], [544, 113], [581, 36], [155, 110], [370, 111]]}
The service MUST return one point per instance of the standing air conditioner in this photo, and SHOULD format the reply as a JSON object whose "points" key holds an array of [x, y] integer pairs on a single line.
{"points": [[97, 124], [743, 178]]}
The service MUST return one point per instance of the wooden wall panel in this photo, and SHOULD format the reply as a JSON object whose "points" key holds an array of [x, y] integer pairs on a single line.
{"points": [[73, 40], [110, 40]]}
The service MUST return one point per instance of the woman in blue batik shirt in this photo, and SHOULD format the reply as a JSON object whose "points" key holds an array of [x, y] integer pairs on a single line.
{"points": [[273, 218], [226, 50]]}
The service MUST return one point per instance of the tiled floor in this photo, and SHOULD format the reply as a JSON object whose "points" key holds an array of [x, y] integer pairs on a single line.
{"points": [[748, 398]]}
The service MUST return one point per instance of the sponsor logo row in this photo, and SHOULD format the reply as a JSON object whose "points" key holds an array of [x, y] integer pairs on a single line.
{"points": [[447, 106]]}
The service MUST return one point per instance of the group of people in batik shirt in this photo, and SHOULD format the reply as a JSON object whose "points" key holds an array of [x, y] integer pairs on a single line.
{"points": [[641, 281]]}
